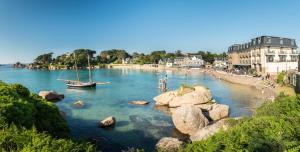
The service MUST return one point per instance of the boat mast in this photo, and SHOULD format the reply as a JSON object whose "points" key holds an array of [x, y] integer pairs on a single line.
{"points": [[90, 74], [76, 68]]}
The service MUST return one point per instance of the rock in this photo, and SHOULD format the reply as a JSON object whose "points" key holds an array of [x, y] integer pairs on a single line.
{"points": [[188, 119], [219, 111], [79, 104], [51, 95], [205, 107], [209, 130], [139, 102], [109, 121], [200, 95], [165, 98], [168, 144]]}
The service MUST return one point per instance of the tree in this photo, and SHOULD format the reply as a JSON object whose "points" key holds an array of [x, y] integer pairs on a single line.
{"points": [[113, 56], [44, 59], [81, 56], [178, 53]]}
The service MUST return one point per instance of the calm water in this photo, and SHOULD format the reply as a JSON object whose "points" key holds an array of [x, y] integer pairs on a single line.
{"points": [[137, 126]]}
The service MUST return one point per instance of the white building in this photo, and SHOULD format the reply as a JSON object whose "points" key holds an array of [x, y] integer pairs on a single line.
{"points": [[265, 54], [189, 61], [221, 64]]}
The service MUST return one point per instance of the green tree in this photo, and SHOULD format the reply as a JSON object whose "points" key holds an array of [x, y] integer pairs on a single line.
{"points": [[44, 59]]}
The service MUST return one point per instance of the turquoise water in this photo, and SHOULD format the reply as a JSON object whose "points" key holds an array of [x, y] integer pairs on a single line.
{"points": [[137, 126]]}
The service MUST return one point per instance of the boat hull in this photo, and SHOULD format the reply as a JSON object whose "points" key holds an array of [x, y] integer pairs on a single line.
{"points": [[81, 85]]}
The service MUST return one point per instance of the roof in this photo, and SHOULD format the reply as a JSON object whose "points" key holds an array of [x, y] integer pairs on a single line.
{"points": [[268, 41]]}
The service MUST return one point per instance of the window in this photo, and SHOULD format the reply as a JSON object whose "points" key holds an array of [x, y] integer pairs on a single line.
{"points": [[259, 41], [292, 42], [270, 58], [282, 58], [281, 41], [268, 40], [294, 58]]}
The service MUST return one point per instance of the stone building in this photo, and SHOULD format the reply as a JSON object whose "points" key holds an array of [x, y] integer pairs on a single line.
{"points": [[264, 54]]}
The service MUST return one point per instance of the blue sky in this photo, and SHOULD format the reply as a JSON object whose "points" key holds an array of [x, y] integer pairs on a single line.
{"points": [[32, 27]]}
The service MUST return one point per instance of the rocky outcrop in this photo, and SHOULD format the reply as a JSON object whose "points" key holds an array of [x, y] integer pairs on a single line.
{"points": [[107, 122], [165, 98], [204, 133], [139, 102], [79, 104], [200, 95], [188, 119], [218, 111], [51, 95], [168, 144]]}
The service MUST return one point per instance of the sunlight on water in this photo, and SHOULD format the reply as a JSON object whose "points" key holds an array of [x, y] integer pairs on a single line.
{"points": [[137, 126]]}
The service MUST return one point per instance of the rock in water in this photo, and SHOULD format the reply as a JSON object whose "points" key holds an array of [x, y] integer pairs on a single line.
{"points": [[188, 119], [139, 102], [109, 121], [78, 104], [165, 98], [219, 111], [209, 130], [168, 144], [51, 95], [200, 95]]}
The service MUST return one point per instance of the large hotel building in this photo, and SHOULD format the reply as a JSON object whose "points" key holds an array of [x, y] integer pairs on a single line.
{"points": [[265, 54]]}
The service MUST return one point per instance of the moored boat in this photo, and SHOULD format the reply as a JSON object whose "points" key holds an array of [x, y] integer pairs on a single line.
{"points": [[78, 83]]}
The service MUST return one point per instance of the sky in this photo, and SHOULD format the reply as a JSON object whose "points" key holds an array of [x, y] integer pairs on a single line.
{"points": [[29, 28]]}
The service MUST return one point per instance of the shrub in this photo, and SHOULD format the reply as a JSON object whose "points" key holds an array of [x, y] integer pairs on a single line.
{"points": [[23, 109], [280, 78], [25, 121], [23, 140]]}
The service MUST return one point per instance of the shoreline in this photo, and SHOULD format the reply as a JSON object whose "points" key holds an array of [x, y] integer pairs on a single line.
{"points": [[267, 91]]}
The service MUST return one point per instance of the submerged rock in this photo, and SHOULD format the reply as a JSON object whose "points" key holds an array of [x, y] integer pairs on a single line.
{"points": [[218, 111], [200, 95], [188, 119], [168, 144], [139, 102], [109, 121], [79, 104], [204, 133], [51, 95]]}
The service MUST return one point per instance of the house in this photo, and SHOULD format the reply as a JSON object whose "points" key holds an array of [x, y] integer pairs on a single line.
{"points": [[126, 61], [170, 63], [189, 61], [220, 63], [264, 54]]}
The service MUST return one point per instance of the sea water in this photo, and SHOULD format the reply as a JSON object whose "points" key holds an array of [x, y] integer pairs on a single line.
{"points": [[137, 126]]}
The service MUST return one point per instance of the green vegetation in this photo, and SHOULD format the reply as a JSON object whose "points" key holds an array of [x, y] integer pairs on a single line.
{"points": [[113, 56], [274, 127], [210, 57], [29, 123], [281, 78], [183, 89]]}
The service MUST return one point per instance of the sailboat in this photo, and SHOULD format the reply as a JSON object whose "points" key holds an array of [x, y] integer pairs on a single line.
{"points": [[78, 83]]}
